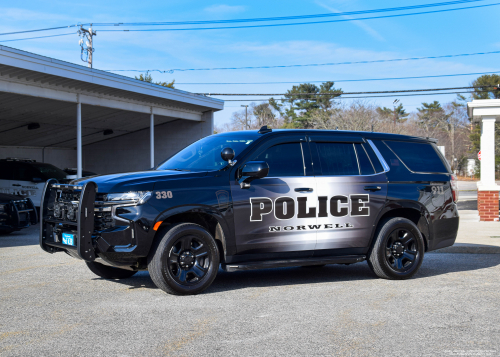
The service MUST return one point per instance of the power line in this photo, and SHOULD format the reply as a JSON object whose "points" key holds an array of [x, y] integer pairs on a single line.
{"points": [[302, 23], [343, 80], [38, 30], [33, 38], [284, 18], [302, 65], [345, 93], [357, 97], [280, 18]]}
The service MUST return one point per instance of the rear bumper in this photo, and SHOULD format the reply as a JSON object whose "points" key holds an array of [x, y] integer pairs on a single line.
{"points": [[444, 233], [19, 214]]}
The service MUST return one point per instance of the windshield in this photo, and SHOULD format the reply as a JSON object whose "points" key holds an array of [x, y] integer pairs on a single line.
{"points": [[204, 155], [49, 171]]}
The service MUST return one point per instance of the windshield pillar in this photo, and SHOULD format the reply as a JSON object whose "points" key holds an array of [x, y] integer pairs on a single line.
{"points": [[79, 138]]}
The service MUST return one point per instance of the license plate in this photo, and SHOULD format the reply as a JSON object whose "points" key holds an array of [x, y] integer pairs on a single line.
{"points": [[68, 239]]}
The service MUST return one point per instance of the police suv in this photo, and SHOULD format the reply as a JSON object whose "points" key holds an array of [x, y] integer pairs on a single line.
{"points": [[251, 200]]}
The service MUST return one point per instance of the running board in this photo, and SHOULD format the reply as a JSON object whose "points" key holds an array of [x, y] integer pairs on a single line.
{"points": [[346, 259]]}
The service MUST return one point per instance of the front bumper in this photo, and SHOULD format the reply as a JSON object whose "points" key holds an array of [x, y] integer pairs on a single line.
{"points": [[107, 232], [82, 227], [18, 214]]}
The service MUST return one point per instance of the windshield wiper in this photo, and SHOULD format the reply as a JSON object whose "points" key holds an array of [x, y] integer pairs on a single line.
{"points": [[179, 170]]}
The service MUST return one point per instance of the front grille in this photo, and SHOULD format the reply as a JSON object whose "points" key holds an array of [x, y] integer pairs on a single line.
{"points": [[103, 220]]}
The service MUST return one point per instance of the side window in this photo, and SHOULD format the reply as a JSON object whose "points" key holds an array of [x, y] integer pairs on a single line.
{"points": [[364, 162], [337, 159], [373, 158], [418, 157], [283, 160], [23, 172], [5, 170]]}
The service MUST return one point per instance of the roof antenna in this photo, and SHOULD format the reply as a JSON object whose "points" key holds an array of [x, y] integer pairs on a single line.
{"points": [[265, 130], [337, 128], [372, 128]]}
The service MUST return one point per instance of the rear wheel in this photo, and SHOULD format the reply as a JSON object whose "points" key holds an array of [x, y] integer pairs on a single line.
{"points": [[186, 260], [398, 250], [107, 272]]}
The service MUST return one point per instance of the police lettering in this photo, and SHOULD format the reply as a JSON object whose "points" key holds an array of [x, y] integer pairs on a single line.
{"points": [[287, 207]]}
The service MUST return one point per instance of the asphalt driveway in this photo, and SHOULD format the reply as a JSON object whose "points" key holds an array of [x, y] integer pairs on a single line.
{"points": [[53, 305]]}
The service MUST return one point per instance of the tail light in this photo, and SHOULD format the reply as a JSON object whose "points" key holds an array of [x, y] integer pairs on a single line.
{"points": [[454, 188]]}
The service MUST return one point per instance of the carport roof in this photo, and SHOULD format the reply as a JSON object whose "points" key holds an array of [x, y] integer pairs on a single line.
{"points": [[44, 90]]}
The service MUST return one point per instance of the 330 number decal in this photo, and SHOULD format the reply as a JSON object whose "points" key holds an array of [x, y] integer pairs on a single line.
{"points": [[163, 194]]}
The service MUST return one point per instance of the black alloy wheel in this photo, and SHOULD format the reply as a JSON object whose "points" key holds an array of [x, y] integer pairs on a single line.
{"points": [[401, 250], [188, 260], [185, 260], [398, 249]]}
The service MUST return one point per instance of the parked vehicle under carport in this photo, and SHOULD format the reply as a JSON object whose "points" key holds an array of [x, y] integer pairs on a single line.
{"points": [[16, 213]]}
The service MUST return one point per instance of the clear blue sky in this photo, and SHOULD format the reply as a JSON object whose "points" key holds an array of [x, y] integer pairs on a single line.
{"points": [[463, 31]]}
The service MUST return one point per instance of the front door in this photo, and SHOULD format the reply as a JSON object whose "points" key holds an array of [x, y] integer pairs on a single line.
{"points": [[351, 192], [277, 213]]}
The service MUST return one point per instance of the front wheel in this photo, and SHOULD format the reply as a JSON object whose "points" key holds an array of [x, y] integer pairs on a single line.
{"points": [[186, 260], [107, 272], [398, 250]]}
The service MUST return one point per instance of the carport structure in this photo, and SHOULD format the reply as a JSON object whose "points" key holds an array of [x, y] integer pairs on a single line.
{"points": [[110, 121]]}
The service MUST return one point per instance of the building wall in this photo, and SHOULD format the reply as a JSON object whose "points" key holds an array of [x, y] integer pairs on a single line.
{"points": [[131, 152], [60, 157]]}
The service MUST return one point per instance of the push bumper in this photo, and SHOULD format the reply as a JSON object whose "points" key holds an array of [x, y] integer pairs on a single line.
{"points": [[80, 227], [19, 214]]}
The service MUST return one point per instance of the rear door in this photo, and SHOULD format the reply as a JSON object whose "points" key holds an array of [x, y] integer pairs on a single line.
{"points": [[351, 191], [277, 213]]}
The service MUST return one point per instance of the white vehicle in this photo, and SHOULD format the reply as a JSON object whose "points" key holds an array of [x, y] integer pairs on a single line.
{"points": [[27, 178]]}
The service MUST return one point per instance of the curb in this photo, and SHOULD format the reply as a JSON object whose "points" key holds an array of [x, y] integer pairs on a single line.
{"points": [[466, 248]]}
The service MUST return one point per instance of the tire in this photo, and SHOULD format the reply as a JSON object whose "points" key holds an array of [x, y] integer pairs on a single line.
{"points": [[398, 251], [186, 260], [107, 272]]}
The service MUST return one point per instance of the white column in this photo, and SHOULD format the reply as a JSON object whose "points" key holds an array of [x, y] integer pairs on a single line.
{"points": [[487, 182], [79, 139], [152, 138]]}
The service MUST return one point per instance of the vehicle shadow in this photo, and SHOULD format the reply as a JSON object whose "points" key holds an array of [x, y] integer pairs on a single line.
{"points": [[26, 236], [433, 265]]}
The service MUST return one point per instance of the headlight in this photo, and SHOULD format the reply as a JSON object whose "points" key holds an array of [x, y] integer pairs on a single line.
{"points": [[138, 198]]}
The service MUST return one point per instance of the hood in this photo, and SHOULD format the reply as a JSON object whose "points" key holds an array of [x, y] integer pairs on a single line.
{"points": [[135, 181]]}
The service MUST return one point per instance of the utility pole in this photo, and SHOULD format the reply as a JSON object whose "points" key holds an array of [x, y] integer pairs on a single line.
{"points": [[246, 116], [86, 44], [396, 101]]}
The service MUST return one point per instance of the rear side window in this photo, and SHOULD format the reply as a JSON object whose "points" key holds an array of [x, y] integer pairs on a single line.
{"points": [[418, 157], [364, 162], [283, 160], [337, 159]]}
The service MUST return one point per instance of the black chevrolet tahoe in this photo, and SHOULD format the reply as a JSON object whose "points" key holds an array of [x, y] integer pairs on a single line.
{"points": [[260, 199]]}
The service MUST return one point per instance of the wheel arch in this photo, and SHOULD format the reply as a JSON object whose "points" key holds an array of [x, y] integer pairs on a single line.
{"points": [[411, 210], [206, 216]]}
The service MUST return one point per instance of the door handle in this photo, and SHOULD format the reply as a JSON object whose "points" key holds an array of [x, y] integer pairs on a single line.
{"points": [[372, 188], [15, 184], [304, 189]]}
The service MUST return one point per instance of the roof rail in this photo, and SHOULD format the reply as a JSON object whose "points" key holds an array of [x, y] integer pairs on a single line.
{"points": [[265, 130]]}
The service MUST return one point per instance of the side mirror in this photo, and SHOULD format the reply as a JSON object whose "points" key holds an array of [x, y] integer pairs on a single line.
{"points": [[36, 179], [227, 154], [253, 170]]}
